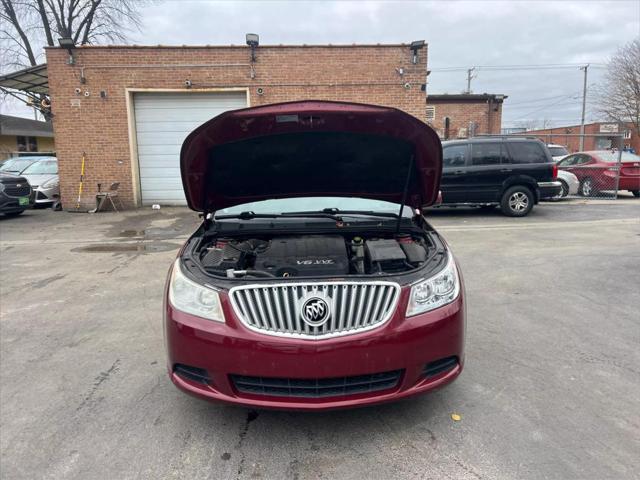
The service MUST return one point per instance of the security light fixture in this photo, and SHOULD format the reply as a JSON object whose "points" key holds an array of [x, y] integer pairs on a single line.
{"points": [[414, 47], [253, 40], [68, 44]]}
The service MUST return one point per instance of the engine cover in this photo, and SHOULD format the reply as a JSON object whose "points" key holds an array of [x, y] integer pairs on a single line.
{"points": [[305, 256]]}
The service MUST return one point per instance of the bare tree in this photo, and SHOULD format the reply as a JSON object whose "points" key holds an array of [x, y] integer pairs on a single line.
{"points": [[619, 96], [28, 25], [530, 124]]}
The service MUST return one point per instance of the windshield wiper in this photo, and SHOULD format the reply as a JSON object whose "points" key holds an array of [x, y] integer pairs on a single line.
{"points": [[252, 215], [337, 211]]}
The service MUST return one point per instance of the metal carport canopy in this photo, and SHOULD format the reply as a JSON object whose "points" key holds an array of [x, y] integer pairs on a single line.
{"points": [[31, 80]]}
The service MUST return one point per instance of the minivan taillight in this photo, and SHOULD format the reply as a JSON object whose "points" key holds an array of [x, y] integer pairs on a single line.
{"points": [[555, 170]]}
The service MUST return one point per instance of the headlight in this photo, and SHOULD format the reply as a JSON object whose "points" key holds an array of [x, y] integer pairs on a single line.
{"points": [[189, 297], [435, 292], [54, 182]]}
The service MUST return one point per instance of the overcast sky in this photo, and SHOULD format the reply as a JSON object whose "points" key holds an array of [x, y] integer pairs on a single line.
{"points": [[459, 33]]}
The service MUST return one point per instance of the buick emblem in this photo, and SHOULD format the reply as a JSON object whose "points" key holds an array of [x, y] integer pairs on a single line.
{"points": [[315, 311], [18, 185]]}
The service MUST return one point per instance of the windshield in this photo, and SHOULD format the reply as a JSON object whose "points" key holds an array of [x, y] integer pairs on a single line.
{"points": [[44, 167], [558, 151], [612, 157], [284, 205], [16, 165]]}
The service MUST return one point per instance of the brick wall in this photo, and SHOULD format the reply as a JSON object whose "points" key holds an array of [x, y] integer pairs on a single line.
{"points": [[100, 127], [488, 118], [557, 135]]}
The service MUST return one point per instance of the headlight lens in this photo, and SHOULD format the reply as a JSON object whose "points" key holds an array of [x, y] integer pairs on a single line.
{"points": [[54, 182], [190, 297], [435, 292]]}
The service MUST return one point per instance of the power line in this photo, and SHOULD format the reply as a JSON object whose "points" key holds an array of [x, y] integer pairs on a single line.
{"points": [[561, 101], [541, 99], [544, 66]]}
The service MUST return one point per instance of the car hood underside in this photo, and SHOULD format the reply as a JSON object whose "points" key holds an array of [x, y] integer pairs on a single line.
{"points": [[308, 149]]}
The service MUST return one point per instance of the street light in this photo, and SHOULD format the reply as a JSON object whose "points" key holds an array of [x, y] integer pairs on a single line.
{"points": [[68, 44], [253, 40], [414, 47]]}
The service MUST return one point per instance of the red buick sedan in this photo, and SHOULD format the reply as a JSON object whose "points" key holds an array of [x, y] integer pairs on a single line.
{"points": [[314, 282], [597, 171]]}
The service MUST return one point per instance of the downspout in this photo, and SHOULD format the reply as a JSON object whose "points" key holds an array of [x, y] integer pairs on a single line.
{"points": [[489, 116]]}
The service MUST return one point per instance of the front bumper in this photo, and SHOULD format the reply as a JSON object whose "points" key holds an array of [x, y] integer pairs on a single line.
{"points": [[9, 204], [225, 350], [46, 195], [549, 189]]}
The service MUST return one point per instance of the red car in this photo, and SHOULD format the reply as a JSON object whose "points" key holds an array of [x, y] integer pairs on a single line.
{"points": [[313, 282], [597, 171]]}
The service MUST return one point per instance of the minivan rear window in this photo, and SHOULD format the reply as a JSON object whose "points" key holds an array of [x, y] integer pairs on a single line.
{"points": [[558, 151], [527, 152]]}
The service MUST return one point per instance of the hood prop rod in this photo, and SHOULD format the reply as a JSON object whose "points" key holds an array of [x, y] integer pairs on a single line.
{"points": [[404, 193]]}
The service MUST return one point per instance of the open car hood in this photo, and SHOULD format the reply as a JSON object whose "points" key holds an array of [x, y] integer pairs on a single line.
{"points": [[310, 149]]}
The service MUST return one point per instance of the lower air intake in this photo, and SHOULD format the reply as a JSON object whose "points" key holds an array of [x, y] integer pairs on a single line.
{"points": [[317, 388], [194, 374], [439, 366]]}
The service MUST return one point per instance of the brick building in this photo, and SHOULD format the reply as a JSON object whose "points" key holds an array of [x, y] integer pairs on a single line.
{"points": [[559, 136], [465, 115], [128, 108]]}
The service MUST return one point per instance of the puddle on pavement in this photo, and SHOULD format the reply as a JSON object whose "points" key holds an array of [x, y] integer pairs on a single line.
{"points": [[132, 233], [128, 247], [151, 233]]}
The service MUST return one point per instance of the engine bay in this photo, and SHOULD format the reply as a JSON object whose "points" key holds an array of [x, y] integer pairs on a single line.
{"points": [[313, 255]]}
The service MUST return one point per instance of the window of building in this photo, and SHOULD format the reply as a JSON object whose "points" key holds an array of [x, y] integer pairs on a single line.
{"points": [[487, 153], [32, 144], [26, 144], [527, 152], [431, 113]]}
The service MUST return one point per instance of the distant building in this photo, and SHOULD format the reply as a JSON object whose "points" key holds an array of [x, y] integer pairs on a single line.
{"points": [[558, 135], [512, 130], [465, 115], [22, 136]]}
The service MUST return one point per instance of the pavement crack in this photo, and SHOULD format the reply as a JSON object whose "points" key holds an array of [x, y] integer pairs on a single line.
{"points": [[244, 429], [99, 380]]}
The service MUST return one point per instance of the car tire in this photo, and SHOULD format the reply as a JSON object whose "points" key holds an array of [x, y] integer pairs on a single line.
{"points": [[587, 189], [564, 189], [517, 201], [636, 193], [14, 214]]}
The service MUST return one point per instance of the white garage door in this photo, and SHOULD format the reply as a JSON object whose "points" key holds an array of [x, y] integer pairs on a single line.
{"points": [[163, 121]]}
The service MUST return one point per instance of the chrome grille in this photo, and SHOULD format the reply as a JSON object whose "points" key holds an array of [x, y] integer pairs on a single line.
{"points": [[277, 309]]}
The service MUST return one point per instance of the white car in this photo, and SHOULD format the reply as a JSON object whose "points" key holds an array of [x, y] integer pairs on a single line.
{"points": [[558, 152], [569, 182]]}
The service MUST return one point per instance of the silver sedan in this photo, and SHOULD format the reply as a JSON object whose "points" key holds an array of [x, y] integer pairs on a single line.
{"points": [[43, 177]]}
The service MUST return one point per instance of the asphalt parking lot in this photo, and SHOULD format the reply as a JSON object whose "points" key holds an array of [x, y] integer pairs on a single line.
{"points": [[550, 390]]}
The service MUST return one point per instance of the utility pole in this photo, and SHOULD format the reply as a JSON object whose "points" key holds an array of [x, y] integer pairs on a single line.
{"points": [[584, 105], [470, 76]]}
